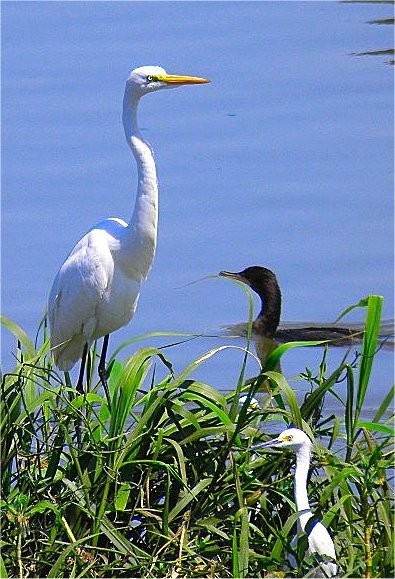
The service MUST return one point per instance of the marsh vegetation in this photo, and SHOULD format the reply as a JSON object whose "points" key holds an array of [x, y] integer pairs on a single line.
{"points": [[166, 484]]}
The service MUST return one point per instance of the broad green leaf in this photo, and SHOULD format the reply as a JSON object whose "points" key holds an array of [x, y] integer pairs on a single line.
{"points": [[376, 427]]}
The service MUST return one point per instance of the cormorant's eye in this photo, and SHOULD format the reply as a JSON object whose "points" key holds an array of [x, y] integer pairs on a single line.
{"points": [[151, 78]]}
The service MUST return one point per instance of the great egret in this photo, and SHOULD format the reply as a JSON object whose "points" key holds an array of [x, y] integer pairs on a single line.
{"points": [[264, 283], [319, 539], [97, 288]]}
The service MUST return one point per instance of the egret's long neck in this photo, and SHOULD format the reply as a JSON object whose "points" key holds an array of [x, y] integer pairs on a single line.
{"points": [[300, 488], [140, 236]]}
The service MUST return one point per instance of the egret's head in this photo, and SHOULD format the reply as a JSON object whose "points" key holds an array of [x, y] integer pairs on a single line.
{"points": [[147, 79], [292, 438]]}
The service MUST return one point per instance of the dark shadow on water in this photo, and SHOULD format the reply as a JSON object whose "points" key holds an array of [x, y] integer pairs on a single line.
{"points": [[379, 21]]}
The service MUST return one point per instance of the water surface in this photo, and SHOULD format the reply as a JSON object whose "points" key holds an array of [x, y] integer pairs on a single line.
{"points": [[284, 160]]}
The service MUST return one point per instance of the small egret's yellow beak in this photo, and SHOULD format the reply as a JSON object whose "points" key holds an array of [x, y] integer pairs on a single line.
{"points": [[178, 79]]}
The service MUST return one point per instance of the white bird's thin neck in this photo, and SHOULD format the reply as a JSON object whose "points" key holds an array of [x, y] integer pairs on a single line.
{"points": [[300, 488], [142, 227]]}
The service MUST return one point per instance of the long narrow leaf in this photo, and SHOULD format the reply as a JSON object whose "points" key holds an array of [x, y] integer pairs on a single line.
{"points": [[369, 346], [385, 405], [274, 358], [188, 497], [293, 403], [19, 334]]}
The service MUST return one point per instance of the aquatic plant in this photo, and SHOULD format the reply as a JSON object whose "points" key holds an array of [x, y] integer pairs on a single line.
{"points": [[166, 484]]}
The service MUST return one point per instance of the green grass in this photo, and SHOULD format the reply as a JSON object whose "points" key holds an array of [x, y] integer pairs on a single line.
{"points": [[165, 485]]}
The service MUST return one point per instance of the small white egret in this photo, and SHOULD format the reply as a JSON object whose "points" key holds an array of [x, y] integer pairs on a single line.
{"points": [[319, 539], [96, 290]]}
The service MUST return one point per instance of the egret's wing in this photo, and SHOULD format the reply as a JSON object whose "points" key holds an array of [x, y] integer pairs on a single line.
{"points": [[76, 294], [321, 542]]}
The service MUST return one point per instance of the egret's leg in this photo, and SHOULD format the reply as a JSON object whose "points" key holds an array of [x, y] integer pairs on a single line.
{"points": [[102, 370], [80, 383], [80, 389]]}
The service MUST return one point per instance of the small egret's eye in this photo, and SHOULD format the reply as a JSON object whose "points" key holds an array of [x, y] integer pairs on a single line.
{"points": [[151, 78], [288, 438]]}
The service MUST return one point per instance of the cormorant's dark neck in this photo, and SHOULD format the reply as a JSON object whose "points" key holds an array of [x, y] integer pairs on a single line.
{"points": [[269, 317]]}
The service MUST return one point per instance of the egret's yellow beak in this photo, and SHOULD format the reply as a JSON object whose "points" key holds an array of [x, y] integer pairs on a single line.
{"points": [[179, 79]]}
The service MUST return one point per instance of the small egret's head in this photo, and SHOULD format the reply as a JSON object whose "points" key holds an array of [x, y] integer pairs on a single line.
{"points": [[147, 79], [292, 438]]}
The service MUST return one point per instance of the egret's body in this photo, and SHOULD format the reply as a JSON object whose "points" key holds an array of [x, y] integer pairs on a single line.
{"points": [[319, 539], [97, 288], [93, 294]]}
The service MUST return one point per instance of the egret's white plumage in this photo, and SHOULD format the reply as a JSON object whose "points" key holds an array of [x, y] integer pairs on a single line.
{"points": [[97, 288], [319, 539]]}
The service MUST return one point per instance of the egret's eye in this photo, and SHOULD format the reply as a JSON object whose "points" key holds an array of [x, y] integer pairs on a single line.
{"points": [[151, 78], [288, 438]]}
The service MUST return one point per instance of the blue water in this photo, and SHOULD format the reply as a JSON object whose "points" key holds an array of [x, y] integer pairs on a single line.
{"points": [[284, 160]]}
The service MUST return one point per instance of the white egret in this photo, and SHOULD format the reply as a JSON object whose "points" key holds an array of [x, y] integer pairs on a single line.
{"points": [[319, 539], [97, 288]]}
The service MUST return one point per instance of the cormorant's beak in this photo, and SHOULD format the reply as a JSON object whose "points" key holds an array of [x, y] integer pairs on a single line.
{"points": [[233, 275], [179, 79]]}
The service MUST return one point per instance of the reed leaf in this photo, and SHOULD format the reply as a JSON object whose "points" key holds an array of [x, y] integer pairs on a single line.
{"points": [[135, 370], [376, 427], [273, 359], [361, 304], [20, 335], [3, 571], [369, 346], [189, 496], [156, 489], [385, 405], [280, 382]]}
